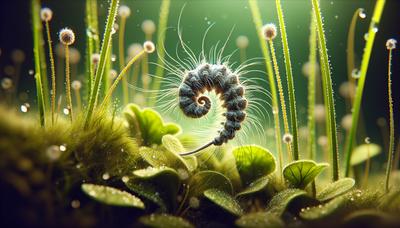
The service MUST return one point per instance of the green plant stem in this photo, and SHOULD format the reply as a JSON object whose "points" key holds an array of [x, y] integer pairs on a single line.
{"points": [[121, 52], [328, 94], [288, 65], [89, 47], [162, 25], [281, 94], [391, 125], [36, 45], [78, 100], [361, 81], [68, 82], [274, 96], [103, 53], [311, 88], [53, 72], [350, 46], [120, 76]]}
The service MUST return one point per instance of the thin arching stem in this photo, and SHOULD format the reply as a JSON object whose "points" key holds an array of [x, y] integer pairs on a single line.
{"points": [[391, 125], [68, 82], [119, 77], [53, 72], [121, 52]]}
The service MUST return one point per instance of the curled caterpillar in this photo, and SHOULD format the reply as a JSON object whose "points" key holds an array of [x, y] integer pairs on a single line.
{"points": [[225, 83]]}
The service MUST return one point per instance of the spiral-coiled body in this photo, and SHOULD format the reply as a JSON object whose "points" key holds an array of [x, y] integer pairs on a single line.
{"points": [[219, 78]]}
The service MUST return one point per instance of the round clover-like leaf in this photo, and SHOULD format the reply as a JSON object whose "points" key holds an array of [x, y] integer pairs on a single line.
{"points": [[112, 196], [146, 190], [224, 200], [336, 188], [164, 179], [280, 201], [364, 152], [253, 162], [164, 220], [160, 157], [147, 126], [302, 172], [172, 144], [208, 179], [254, 187], [259, 219]]}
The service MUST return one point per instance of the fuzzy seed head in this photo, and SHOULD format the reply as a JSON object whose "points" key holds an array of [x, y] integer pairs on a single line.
{"points": [[76, 85], [148, 27], [18, 56], [347, 122], [134, 49], [6, 83], [194, 202], [124, 11], [287, 138], [391, 44], [308, 67], [95, 58], [269, 31], [67, 36], [149, 47], [322, 141], [74, 56], [319, 113], [113, 74], [46, 14], [347, 89], [242, 42]]}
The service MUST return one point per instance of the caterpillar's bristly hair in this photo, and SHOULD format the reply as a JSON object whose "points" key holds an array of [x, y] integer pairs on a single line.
{"points": [[225, 83]]}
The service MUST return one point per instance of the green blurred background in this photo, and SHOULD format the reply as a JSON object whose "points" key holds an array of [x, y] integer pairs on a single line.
{"points": [[199, 14]]}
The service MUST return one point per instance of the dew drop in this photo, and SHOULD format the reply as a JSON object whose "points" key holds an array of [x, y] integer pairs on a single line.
{"points": [[125, 179], [31, 72], [113, 58], [25, 107], [367, 140], [362, 14], [106, 176], [66, 111]]}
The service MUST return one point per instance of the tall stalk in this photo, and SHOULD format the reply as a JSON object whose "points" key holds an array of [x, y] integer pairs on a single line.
{"points": [[328, 93], [311, 88], [103, 54], [35, 7], [255, 11], [289, 76], [376, 17], [53, 71], [391, 124], [121, 51]]}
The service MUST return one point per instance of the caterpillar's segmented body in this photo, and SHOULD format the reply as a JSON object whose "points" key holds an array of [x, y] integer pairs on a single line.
{"points": [[225, 83]]}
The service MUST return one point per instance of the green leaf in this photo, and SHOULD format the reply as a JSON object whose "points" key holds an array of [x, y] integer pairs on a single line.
{"points": [[325, 210], [372, 217], [160, 157], [302, 172], [165, 180], [224, 200], [204, 180], [147, 126], [391, 201], [164, 220], [172, 144], [147, 191], [112, 196], [253, 162], [336, 188], [363, 152], [259, 219], [254, 187], [341, 205], [280, 201]]}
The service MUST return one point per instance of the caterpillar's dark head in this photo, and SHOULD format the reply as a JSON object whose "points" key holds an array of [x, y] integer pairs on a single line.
{"points": [[225, 83]]}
